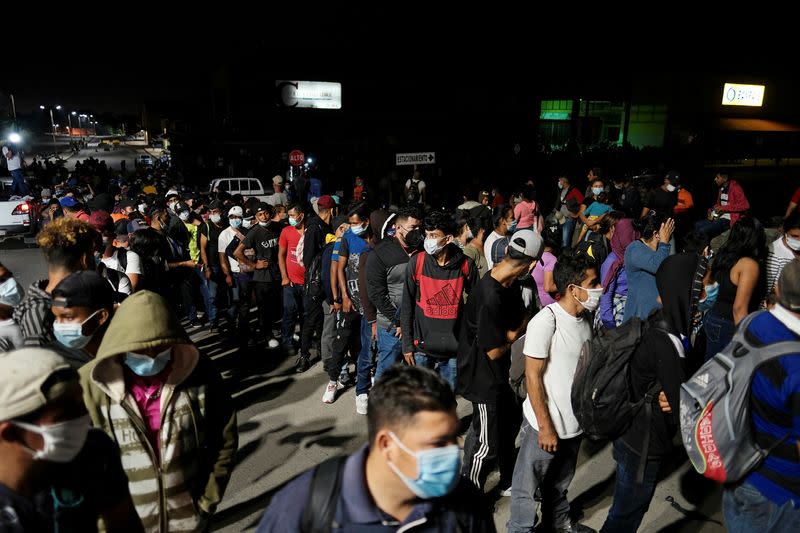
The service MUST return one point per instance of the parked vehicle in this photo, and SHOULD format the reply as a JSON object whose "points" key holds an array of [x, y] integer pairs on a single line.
{"points": [[247, 187], [18, 218]]}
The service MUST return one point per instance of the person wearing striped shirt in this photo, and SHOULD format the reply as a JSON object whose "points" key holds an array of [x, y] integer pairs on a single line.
{"points": [[768, 498], [782, 251], [68, 245]]}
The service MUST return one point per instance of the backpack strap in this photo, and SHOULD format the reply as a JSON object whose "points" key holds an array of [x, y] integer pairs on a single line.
{"points": [[323, 496], [649, 398]]}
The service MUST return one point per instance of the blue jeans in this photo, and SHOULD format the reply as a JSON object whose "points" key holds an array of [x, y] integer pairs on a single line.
{"points": [[713, 228], [447, 368], [18, 183], [631, 499], [746, 510], [292, 313], [566, 232], [719, 332], [209, 300], [551, 473], [364, 362], [389, 350]]}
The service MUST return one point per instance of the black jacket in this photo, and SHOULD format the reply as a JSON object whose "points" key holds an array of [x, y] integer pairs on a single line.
{"points": [[314, 238], [386, 276]]}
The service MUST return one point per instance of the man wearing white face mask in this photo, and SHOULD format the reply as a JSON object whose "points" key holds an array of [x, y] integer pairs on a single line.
{"points": [[83, 305], [550, 434], [150, 390], [56, 474], [405, 478], [433, 302], [783, 251]]}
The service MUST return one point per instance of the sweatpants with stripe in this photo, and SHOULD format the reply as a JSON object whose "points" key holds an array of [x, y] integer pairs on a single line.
{"points": [[490, 439]]}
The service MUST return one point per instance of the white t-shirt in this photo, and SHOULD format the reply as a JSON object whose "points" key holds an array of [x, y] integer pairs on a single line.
{"points": [[133, 267], [420, 184], [563, 348], [487, 247], [225, 238], [278, 198], [15, 163], [723, 200], [778, 257]]}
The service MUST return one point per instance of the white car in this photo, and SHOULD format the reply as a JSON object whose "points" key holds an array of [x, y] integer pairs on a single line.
{"points": [[247, 187], [18, 218]]}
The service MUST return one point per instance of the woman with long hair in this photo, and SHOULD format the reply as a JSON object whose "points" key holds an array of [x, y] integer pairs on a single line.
{"points": [[739, 270], [642, 259], [614, 277]]}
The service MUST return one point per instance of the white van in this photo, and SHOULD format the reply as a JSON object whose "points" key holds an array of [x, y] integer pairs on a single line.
{"points": [[247, 187]]}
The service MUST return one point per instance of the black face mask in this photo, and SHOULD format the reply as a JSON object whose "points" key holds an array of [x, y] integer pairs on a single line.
{"points": [[414, 240]]}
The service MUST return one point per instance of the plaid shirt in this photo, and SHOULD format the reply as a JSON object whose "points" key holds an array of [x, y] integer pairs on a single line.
{"points": [[35, 316]]}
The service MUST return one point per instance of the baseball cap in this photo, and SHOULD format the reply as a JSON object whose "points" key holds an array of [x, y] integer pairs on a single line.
{"points": [[171, 192], [127, 202], [85, 288], [136, 225], [789, 286], [326, 202], [236, 211], [100, 220], [47, 193], [68, 201], [674, 177], [527, 242], [263, 206], [25, 373], [277, 179], [499, 249], [248, 215], [189, 195]]}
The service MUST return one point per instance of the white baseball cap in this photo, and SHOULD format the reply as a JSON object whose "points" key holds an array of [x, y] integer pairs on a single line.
{"points": [[236, 211], [527, 242], [25, 372]]}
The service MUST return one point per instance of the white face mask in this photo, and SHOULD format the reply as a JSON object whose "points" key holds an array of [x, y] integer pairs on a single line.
{"points": [[247, 224], [793, 244], [215, 218], [10, 293], [432, 246], [142, 208], [63, 441], [671, 188], [183, 215], [593, 301]]}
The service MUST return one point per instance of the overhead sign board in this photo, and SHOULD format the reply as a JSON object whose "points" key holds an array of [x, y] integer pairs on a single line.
{"points": [[746, 95], [416, 158], [309, 94]]}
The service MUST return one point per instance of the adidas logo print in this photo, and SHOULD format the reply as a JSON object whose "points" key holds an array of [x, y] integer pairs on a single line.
{"points": [[701, 380]]}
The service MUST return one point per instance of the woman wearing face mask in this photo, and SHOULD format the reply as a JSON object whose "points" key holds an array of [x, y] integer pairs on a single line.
{"points": [[83, 306], [657, 363], [503, 223], [150, 390], [593, 208], [642, 259]]}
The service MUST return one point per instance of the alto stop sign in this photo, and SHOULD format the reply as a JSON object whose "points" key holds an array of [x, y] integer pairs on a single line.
{"points": [[297, 158]]}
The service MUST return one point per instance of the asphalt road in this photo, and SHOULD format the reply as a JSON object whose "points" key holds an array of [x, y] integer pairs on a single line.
{"points": [[284, 428]]}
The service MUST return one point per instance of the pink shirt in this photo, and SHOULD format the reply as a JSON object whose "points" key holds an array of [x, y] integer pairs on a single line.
{"points": [[525, 213], [147, 393], [549, 261]]}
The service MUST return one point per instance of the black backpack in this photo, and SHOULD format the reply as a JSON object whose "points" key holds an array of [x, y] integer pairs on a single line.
{"points": [[601, 392], [323, 496], [412, 195], [313, 282]]}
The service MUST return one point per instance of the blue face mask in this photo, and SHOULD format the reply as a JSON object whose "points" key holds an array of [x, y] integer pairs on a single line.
{"points": [[437, 470], [711, 297], [512, 226], [71, 334], [143, 365], [357, 230], [292, 221], [597, 191], [235, 222]]}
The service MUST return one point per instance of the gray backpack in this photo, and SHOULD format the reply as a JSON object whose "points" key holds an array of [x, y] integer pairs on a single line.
{"points": [[715, 408]]}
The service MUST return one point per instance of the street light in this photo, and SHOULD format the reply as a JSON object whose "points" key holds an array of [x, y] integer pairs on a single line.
{"points": [[52, 125], [69, 119], [14, 138]]}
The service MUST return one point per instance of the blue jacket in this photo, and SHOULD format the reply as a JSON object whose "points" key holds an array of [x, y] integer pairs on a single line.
{"points": [[641, 265]]}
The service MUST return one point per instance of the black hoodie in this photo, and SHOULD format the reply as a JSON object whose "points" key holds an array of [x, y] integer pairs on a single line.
{"points": [[433, 302]]}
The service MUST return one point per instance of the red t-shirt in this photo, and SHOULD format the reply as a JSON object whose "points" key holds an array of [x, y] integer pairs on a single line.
{"points": [[796, 196], [289, 239]]}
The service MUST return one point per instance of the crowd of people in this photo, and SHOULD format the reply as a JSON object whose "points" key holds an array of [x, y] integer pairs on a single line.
{"points": [[101, 378]]}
